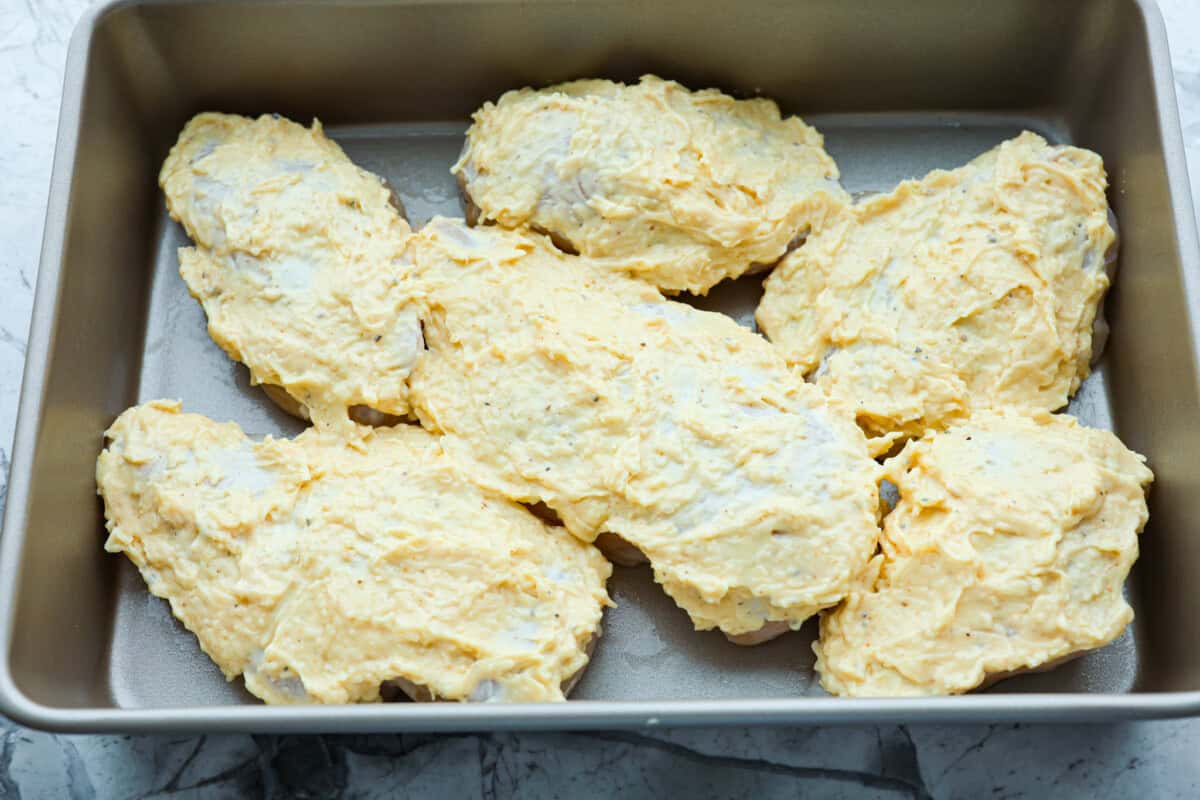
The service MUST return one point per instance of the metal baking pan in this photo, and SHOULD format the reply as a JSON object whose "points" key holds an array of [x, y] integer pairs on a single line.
{"points": [[897, 87]]}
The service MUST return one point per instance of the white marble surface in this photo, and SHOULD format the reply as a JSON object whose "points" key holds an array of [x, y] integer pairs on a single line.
{"points": [[1153, 759]]}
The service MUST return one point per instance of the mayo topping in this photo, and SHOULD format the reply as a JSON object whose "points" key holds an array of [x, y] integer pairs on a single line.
{"points": [[1007, 551], [676, 429], [973, 288], [682, 189], [296, 263], [323, 566]]}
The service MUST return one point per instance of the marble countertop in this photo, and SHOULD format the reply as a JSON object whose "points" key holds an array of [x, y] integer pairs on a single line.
{"points": [[1151, 759]]}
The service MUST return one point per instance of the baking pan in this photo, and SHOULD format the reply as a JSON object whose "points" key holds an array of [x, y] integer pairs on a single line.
{"points": [[897, 87]]}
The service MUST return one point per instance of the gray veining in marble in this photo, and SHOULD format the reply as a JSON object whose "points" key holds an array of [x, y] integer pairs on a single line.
{"points": [[1151, 760]]}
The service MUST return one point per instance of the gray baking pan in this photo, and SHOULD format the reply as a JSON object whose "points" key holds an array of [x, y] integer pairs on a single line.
{"points": [[898, 87]]}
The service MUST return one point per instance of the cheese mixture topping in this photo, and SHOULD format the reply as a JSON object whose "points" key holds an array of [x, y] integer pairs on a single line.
{"points": [[682, 189], [973, 288], [953, 312], [323, 566], [1006, 552], [296, 264], [674, 428]]}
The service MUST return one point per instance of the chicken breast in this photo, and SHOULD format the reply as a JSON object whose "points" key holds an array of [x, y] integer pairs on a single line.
{"points": [[675, 429], [296, 264], [968, 289], [323, 567], [682, 189], [1007, 552]]}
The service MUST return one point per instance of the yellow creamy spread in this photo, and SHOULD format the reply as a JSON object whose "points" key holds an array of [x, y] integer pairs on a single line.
{"points": [[972, 288], [322, 566], [954, 312], [680, 188], [1007, 551], [674, 428], [296, 262]]}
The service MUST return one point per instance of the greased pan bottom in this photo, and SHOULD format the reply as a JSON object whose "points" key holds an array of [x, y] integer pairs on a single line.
{"points": [[648, 651]]}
